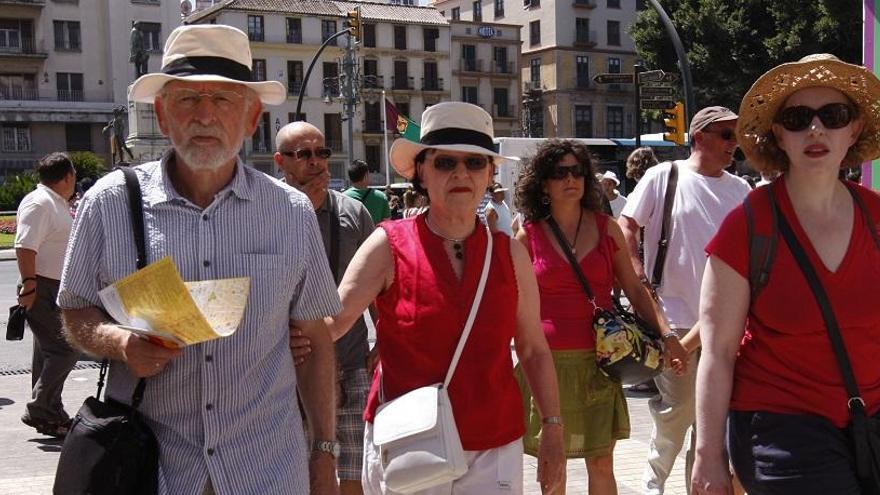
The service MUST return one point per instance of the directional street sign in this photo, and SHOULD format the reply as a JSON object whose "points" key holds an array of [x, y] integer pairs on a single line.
{"points": [[614, 78], [669, 77], [657, 104], [657, 90], [651, 76]]}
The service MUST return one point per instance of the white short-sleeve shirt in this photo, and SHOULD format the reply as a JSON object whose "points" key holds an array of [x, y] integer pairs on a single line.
{"points": [[43, 225]]}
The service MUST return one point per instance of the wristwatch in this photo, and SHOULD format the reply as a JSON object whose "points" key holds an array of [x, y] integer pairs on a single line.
{"points": [[327, 446], [552, 420]]}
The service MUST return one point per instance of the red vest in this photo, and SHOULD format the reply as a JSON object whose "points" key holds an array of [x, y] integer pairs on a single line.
{"points": [[422, 316]]}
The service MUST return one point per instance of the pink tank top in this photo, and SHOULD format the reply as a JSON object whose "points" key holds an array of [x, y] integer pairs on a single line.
{"points": [[566, 314]]}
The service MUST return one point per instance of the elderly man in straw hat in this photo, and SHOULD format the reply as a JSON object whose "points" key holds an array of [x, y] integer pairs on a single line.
{"points": [[224, 412]]}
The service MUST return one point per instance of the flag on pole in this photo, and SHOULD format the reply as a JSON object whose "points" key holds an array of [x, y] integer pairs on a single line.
{"points": [[401, 124], [871, 60]]}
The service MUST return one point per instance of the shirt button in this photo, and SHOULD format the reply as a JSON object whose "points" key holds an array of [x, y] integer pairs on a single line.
{"points": [[205, 217], [210, 451], [209, 358], [206, 263], [209, 406]]}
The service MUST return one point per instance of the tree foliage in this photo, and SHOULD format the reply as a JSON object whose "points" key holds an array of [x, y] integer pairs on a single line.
{"points": [[15, 188], [87, 165], [730, 43]]}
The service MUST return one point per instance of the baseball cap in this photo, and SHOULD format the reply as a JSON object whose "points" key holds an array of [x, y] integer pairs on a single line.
{"points": [[709, 115]]}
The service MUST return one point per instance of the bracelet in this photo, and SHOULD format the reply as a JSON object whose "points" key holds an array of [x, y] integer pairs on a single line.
{"points": [[27, 292], [552, 420], [670, 335], [25, 279]]}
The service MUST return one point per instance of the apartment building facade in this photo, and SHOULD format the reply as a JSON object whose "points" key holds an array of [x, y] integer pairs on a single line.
{"points": [[565, 44], [404, 51], [64, 66]]}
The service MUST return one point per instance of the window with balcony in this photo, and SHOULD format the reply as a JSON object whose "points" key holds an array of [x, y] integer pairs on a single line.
{"points": [[478, 11], [294, 76], [255, 28], [17, 35], [535, 33], [294, 30], [371, 73], [582, 30], [152, 36], [69, 86], [614, 121], [469, 58], [456, 14], [333, 131], [535, 70], [258, 69], [67, 35], [499, 58], [78, 137], [261, 140], [373, 157], [469, 94], [369, 35], [16, 138], [583, 121], [501, 103], [430, 36], [499, 9], [614, 65], [432, 81], [328, 29], [18, 87], [582, 68], [401, 74], [331, 79], [613, 4], [372, 118], [614, 33], [400, 37]]}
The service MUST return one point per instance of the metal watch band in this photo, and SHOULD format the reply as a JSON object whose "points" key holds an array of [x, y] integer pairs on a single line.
{"points": [[552, 420]]}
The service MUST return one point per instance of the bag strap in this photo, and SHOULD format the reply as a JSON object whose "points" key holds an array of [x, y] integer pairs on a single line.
{"points": [[560, 239], [136, 209], [762, 248], [665, 227], [481, 287], [866, 215]]}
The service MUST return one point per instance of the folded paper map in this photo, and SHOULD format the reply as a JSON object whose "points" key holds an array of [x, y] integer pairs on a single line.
{"points": [[156, 303]]}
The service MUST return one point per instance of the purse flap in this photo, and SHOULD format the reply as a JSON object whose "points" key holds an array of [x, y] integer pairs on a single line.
{"points": [[409, 414]]}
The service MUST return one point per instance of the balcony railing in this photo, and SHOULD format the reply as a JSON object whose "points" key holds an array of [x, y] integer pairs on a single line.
{"points": [[257, 35], [48, 95], [373, 126], [334, 144], [19, 94], [402, 83], [294, 87], [531, 86], [35, 3], [503, 111], [70, 95], [470, 65], [295, 37], [501, 67], [432, 84], [586, 38], [372, 82], [25, 46]]}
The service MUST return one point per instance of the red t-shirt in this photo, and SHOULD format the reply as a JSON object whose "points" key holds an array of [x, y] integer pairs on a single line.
{"points": [[422, 316], [785, 362]]}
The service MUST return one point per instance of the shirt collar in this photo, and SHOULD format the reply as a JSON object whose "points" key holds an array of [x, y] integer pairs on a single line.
{"points": [[55, 196], [158, 188]]}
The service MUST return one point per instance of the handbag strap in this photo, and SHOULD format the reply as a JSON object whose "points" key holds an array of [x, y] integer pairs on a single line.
{"points": [[136, 210], [665, 226], [560, 239]]}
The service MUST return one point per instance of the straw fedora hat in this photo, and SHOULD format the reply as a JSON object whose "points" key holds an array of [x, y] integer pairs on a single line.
{"points": [[763, 101], [450, 126], [209, 53]]}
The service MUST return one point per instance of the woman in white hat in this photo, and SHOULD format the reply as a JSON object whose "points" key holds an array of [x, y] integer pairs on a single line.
{"points": [[780, 389], [423, 273]]}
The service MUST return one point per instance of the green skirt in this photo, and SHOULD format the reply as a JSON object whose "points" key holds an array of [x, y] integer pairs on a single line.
{"points": [[593, 407]]}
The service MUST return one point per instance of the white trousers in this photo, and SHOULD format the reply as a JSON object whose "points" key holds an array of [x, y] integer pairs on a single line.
{"points": [[673, 412], [497, 470]]}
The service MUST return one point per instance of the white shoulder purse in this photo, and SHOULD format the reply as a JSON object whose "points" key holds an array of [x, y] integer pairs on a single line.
{"points": [[416, 433]]}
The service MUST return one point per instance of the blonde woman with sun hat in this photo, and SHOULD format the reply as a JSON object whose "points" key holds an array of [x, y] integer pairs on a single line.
{"points": [[780, 389]]}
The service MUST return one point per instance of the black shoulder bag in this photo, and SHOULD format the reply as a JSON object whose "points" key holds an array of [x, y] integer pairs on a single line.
{"points": [[665, 227], [110, 449], [865, 431], [627, 349]]}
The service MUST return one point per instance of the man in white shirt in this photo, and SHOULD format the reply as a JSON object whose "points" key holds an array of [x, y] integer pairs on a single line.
{"points": [[704, 195], [43, 227], [498, 216], [609, 188]]}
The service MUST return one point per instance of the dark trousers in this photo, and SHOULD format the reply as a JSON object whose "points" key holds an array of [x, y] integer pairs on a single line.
{"points": [[791, 454], [53, 357]]}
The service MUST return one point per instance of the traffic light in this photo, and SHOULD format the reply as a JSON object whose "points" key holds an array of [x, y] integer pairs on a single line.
{"points": [[675, 124], [354, 23]]}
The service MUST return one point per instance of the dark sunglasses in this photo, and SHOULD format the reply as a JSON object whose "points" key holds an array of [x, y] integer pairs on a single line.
{"points": [[448, 163], [559, 173], [832, 116], [725, 134], [305, 153]]}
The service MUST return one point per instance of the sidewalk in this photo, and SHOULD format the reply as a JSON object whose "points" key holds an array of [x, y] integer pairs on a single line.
{"points": [[27, 461], [7, 254]]}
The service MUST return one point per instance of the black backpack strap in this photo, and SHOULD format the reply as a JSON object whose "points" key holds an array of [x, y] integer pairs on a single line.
{"points": [[762, 248], [666, 227], [860, 203]]}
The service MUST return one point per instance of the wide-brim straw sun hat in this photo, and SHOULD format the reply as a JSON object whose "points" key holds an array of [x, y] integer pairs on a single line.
{"points": [[206, 53], [763, 101], [450, 126]]}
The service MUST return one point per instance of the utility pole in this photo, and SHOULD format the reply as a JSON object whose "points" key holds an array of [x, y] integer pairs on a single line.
{"points": [[683, 63], [638, 69], [349, 64]]}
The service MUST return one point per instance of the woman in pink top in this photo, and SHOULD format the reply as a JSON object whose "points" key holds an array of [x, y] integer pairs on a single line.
{"points": [[560, 183], [422, 272]]}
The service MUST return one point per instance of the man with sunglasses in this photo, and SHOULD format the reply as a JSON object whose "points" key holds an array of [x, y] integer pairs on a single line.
{"points": [[344, 224], [703, 194]]}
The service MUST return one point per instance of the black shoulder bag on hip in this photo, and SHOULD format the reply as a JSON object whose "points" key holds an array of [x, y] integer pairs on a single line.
{"points": [[865, 431], [110, 449]]}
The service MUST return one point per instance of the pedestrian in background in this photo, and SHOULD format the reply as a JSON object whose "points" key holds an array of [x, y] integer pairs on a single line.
{"points": [[559, 184], [639, 161], [373, 199], [609, 184], [497, 212], [423, 273], [43, 223], [783, 404]]}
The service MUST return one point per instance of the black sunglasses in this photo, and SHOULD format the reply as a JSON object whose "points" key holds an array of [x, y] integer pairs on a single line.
{"points": [[305, 153], [447, 163], [725, 134], [832, 116], [561, 172]]}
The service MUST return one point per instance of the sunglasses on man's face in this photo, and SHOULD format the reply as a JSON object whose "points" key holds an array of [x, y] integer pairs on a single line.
{"points": [[447, 163], [832, 116], [560, 172], [725, 134], [305, 153]]}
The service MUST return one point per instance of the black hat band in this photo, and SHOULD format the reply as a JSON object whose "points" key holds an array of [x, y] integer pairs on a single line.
{"points": [[214, 66], [455, 135]]}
